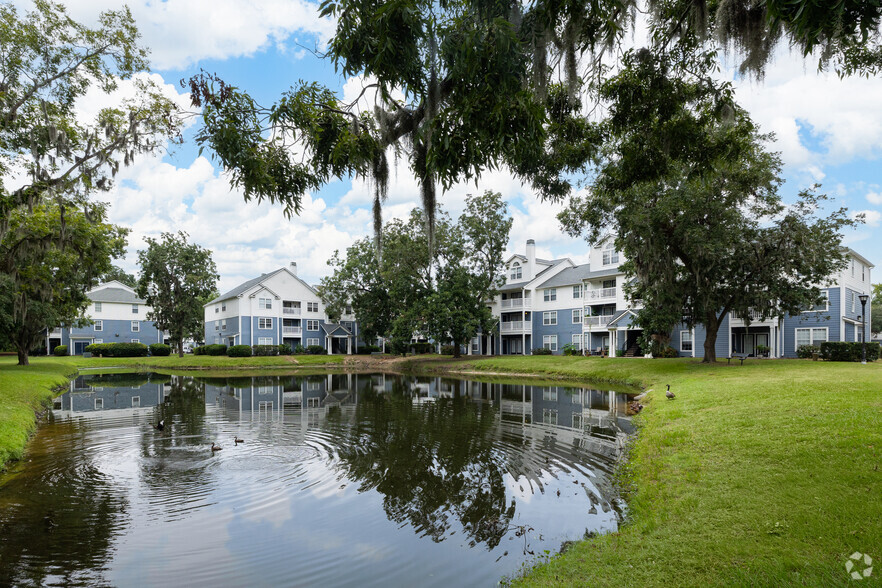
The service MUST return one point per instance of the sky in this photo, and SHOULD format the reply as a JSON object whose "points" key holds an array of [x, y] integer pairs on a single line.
{"points": [[829, 132]]}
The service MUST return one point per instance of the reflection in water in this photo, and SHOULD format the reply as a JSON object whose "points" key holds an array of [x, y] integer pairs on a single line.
{"points": [[408, 480]]}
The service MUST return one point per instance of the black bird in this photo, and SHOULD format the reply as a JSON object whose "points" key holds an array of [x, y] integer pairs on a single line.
{"points": [[215, 447], [160, 426], [236, 440], [669, 394]]}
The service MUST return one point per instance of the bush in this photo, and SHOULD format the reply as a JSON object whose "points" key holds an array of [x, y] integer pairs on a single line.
{"points": [[315, 350], [419, 348], [211, 350], [60, 350], [284, 349], [448, 350], [264, 350], [806, 351], [239, 351], [571, 349], [118, 349], [541, 351], [368, 349], [848, 351], [160, 349], [665, 351], [299, 349], [620, 353]]}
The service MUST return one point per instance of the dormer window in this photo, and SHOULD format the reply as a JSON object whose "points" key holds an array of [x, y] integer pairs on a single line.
{"points": [[610, 255], [516, 272]]}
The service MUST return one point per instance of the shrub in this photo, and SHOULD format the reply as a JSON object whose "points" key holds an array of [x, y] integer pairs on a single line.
{"points": [[848, 351], [620, 353], [448, 349], [264, 350], [422, 347], [211, 350], [60, 350], [368, 349], [806, 351], [571, 349], [541, 351], [299, 349], [665, 351], [118, 349], [239, 351], [160, 349], [284, 349], [315, 350]]}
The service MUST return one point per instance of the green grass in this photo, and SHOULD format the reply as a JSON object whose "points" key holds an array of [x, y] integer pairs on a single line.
{"points": [[203, 361], [767, 474]]}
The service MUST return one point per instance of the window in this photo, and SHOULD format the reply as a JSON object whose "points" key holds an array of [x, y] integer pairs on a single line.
{"points": [[223, 305], [216, 326], [685, 341], [98, 341], [264, 323], [216, 309], [549, 342], [852, 268], [136, 340], [264, 340], [577, 291], [134, 309], [577, 421], [97, 307], [348, 309], [549, 416], [863, 273], [312, 307], [99, 325], [312, 341], [312, 325], [516, 272], [550, 294], [577, 341], [609, 284], [610, 255], [823, 306], [312, 402], [853, 301], [265, 303], [136, 327], [549, 318], [549, 394], [224, 325], [811, 336], [99, 403], [136, 402], [577, 316]]}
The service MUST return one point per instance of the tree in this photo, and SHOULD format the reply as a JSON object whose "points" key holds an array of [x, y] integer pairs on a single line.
{"points": [[876, 309], [119, 274], [47, 269], [176, 276], [47, 64], [691, 195]]}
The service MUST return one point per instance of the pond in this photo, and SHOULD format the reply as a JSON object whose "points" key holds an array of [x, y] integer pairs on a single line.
{"points": [[342, 480]]}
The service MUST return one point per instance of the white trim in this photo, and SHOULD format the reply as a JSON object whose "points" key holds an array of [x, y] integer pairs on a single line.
{"points": [[811, 337], [261, 319], [547, 316], [98, 325], [691, 341]]}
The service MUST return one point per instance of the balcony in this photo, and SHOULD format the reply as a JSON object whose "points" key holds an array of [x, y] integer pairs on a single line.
{"points": [[597, 321], [293, 331], [291, 310], [600, 294], [517, 303], [515, 327], [754, 316], [56, 332]]}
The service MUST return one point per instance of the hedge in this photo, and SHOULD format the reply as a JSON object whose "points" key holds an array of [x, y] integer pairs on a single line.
{"points": [[160, 349], [368, 349], [60, 350], [848, 351], [807, 351], [239, 351], [541, 351], [284, 349], [422, 347], [118, 349], [448, 349], [264, 350], [210, 350], [315, 350]]}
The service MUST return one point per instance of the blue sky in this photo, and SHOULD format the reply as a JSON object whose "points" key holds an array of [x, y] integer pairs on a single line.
{"points": [[829, 131]]}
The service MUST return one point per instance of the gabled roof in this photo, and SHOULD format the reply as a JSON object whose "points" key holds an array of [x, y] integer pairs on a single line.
{"points": [[860, 257], [570, 276], [114, 292], [612, 271], [618, 316], [247, 285], [336, 330], [523, 283]]}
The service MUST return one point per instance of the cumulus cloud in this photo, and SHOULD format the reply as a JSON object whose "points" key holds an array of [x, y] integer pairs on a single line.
{"points": [[182, 32], [874, 197], [871, 217]]}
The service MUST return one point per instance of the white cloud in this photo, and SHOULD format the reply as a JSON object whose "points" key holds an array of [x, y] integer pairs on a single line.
{"points": [[871, 217], [874, 197], [183, 32]]}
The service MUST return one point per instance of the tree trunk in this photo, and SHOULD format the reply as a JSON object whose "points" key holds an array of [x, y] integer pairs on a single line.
{"points": [[23, 357], [456, 353], [712, 326], [181, 347]]}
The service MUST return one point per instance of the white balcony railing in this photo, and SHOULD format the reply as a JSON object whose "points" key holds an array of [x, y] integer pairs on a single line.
{"points": [[290, 310], [516, 327], [600, 294], [754, 317], [517, 303], [55, 332], [291, 330], [596, 321]]}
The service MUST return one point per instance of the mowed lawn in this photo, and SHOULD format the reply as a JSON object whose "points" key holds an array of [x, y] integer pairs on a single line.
{"points": [[767, 474]]}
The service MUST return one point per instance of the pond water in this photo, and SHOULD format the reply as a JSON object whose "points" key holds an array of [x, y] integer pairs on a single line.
{"points": [[343, 480]]}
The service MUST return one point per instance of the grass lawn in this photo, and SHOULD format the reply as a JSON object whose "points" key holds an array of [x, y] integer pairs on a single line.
{"points": [[767, 474]]}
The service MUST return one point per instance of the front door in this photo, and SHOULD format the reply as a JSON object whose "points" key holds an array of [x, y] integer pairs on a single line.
{"points": [[80, 347], [748, 344]]}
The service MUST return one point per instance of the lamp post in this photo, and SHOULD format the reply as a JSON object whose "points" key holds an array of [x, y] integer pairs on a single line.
{"points": [[863, 298]]}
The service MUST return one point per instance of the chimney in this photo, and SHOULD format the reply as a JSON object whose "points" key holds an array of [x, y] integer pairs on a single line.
{"points": [[531, 259], [293, 267]]}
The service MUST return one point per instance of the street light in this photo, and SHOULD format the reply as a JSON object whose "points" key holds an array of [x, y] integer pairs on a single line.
{"points": [[863, 298]]}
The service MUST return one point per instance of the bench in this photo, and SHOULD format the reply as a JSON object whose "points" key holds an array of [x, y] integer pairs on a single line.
{"points": [[741, 356]]}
